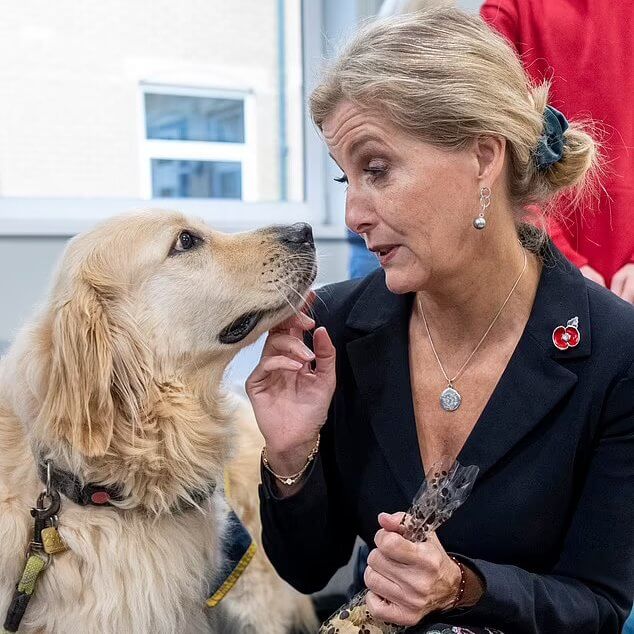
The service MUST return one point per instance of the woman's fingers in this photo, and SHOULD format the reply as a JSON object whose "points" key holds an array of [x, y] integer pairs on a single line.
{"points": [[296, 324], [396, 547], [389, 579], [299, 321], [279, 343], [272, 364], [381, 585], [325, 355], [286, 344], [394, 522], [389, 612]]}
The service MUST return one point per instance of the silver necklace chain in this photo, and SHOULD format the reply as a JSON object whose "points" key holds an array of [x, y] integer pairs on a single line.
{"points": [[450, 382]]}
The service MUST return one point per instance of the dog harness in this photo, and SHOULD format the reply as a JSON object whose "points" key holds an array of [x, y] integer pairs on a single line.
{"points": [[238, 547]]}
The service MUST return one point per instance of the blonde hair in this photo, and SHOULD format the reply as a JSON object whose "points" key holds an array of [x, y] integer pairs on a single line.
{"points": [[446, 77]]}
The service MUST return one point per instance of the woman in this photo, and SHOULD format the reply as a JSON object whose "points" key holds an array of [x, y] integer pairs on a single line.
{"points": [[476, 340]]}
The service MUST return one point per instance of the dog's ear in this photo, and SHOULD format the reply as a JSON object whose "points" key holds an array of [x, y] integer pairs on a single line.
{"points": [[98, 372]]}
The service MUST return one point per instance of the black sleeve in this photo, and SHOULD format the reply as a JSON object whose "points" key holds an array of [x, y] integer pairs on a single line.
{"points": [[309, 535], [590, 589]]}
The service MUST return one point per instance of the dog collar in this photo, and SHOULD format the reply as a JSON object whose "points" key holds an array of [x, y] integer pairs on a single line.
{"points": [[91, 494]]}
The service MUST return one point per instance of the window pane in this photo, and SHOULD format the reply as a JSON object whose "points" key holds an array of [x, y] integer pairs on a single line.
{"points": [[196, 179], [194, 118]]}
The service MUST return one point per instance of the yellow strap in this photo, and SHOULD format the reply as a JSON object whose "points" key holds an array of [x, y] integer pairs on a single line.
{"points": [[34, 565], [231, 580]]}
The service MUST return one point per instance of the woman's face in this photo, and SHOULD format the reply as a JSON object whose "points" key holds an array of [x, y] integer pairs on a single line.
{"points": [[412, 202]]}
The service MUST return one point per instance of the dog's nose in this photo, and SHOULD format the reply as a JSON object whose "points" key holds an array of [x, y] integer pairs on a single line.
{"points": [[297, 234]]}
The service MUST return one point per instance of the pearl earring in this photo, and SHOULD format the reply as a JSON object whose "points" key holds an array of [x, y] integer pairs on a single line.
{"points": [[485, 200]]}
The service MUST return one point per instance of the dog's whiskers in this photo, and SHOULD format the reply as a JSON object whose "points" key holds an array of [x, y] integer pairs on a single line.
{"points": [[286, 299], [294, 290], [306, 307]]}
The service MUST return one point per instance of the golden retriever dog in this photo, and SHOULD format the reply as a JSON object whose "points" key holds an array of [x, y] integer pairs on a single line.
{"points": [[116, 386]]}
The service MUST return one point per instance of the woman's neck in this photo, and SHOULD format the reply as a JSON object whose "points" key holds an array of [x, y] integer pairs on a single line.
{"points": [[462, 308]]}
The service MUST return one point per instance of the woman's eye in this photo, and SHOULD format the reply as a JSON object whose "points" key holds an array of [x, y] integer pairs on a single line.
{"points": [[186, 241], [375, 172]]}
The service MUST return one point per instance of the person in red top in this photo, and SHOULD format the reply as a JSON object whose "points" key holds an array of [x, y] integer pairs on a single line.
{"points": [[585, 47]]}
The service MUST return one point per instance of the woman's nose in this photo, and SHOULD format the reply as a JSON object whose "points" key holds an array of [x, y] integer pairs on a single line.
{"points": [[359, 215]]}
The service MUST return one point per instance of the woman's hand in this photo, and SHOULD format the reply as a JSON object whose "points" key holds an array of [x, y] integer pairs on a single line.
{"points": [[409, 580], [290, 399], [623, 283]]}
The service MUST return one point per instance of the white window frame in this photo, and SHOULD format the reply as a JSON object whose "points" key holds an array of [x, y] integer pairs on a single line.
{"points": [[243, 153], [45, 216]]}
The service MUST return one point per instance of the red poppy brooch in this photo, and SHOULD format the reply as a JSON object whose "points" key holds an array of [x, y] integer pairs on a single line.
{"points": [[567, 336]]}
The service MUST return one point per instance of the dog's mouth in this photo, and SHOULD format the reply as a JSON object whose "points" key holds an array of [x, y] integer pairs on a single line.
{"points": [[241, 327]]}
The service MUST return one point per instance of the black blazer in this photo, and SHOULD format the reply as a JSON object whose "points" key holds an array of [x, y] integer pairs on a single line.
{"points": [[549, 524]]}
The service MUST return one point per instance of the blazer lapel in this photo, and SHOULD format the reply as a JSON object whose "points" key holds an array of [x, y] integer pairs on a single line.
{"points": [[538, 375], [380, 365], [529, 388], [536, 379]]}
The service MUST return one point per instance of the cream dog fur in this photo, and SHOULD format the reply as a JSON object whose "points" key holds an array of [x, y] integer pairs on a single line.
{"points": [[118, 379]]}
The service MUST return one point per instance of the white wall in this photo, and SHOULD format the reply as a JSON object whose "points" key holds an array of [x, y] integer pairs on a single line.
{"points": [[470, 5], [71, 121]]}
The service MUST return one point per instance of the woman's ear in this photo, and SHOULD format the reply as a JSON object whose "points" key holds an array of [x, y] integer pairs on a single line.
{"points": [[490, 152], [98, 371]]}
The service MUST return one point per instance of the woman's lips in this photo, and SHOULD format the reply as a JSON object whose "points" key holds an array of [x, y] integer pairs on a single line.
{"points": [[386, 253]]}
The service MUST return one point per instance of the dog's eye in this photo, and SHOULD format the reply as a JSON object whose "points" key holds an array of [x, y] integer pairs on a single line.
{"points": [[186, 241]]}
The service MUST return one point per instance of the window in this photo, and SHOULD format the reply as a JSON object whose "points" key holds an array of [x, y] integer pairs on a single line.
{"points": [[196, 179], [187, 118], [197, 145]]}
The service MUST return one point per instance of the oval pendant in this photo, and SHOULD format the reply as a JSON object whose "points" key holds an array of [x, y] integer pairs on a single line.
{"points": [[450, 399]]}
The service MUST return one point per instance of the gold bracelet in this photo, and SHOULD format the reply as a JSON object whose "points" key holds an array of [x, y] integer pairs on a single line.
{"points": [[289, 480], [461, 585]]}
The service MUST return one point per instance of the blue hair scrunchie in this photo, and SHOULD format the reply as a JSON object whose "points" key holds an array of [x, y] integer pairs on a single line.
{"points": [[550, 147]]}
